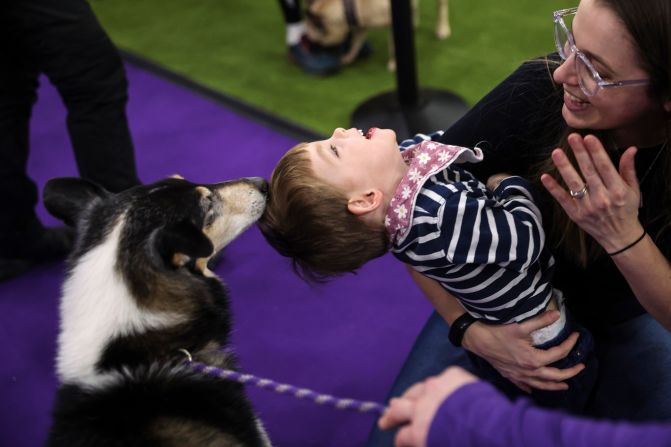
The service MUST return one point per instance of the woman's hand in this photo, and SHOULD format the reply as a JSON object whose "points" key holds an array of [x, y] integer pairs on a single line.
{"points": [[508, 348], [608, 211], [418, 405]]}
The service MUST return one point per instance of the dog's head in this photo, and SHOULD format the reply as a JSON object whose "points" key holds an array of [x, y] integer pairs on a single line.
{"points": [[174, 221], [326, 22]]}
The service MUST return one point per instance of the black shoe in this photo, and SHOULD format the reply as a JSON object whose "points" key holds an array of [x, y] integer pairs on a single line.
{"points": [[313, 61], [47, 245]]}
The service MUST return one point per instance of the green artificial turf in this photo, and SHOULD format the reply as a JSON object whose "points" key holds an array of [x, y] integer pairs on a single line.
{"points": [[237, 47]]}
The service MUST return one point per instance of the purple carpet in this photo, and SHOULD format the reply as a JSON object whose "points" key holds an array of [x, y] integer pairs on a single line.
{"points": [[348, 338]]}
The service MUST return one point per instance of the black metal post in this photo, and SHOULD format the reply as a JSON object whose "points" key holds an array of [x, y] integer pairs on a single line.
{"points": [[404, 46], [409, 110]]}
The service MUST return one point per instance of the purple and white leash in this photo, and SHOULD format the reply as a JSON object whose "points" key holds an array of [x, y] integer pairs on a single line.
{"points": [[282, 388]]}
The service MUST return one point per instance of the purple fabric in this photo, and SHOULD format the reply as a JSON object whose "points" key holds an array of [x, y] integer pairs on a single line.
{"points": [[477, 415], [347, 338]]}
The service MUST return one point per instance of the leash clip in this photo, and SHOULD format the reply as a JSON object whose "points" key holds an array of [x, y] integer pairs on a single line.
{"points": [[189, 359]]}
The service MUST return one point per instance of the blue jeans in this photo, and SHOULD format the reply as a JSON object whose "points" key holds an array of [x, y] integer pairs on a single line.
{"points": [[633, 381]]}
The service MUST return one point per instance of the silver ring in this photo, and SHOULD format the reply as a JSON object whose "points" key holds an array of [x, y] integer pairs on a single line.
{"points": [[579, 194]]}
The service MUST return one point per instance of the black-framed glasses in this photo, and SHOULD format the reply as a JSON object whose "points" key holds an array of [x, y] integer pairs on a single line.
{"points": [[589, 79]]}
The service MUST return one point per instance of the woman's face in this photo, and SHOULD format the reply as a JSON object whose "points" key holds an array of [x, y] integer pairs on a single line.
{"points": [[629, 111]]}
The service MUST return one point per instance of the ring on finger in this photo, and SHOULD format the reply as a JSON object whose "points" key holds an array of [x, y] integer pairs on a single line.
{"points": [[579, 194]]}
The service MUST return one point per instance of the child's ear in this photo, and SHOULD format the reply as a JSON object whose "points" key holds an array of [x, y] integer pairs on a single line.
{"points": [[365, 202]]}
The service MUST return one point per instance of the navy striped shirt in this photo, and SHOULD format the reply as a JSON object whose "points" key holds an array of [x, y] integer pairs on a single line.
{"points": [[486, 247]]}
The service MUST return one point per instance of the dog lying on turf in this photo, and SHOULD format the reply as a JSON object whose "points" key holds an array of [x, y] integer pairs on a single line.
{"points": [[329, 22], [139, 290]]}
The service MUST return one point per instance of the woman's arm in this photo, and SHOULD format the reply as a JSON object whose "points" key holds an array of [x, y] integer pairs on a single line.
{"points": [[609, 213], [506, 347], [456, 409]]}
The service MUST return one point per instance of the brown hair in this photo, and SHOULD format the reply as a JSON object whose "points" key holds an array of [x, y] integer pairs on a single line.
{"points": [[307, 220], [649, 24]]}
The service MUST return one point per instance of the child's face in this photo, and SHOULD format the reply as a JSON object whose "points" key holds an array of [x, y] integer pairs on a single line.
{"points": [[353, 162]]}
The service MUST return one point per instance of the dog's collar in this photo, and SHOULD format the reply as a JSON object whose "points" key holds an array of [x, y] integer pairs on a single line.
{"points": [[350, 12]]}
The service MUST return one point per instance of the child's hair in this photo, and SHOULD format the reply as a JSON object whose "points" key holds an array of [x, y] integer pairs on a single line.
{"points": [[307, 220]]}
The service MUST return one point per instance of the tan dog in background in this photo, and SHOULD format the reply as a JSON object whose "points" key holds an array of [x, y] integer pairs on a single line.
{"points": [[329, 21]]}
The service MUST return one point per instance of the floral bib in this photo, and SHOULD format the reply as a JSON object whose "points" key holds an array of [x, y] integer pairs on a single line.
{"points": [[424, 160]]}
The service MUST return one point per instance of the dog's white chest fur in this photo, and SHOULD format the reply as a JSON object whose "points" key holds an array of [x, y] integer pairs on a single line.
{"points": [[96, 306]]}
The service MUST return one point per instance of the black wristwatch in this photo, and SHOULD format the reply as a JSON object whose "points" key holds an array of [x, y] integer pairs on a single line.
{"points": [[458, 328]]}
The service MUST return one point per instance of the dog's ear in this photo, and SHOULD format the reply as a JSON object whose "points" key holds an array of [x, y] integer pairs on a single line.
{"points": [[179, 243], [66, 197]]}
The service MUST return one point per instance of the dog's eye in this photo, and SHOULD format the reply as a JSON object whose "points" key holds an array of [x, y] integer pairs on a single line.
{"points": [[209, 219], [209, 213], [208, 200], [208, 204]]}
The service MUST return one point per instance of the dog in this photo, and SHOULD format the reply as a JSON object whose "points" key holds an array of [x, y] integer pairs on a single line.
{"points": [[329, 22], [138, 290]]}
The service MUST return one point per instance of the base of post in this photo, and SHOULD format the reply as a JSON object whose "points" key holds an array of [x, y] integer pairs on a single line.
{"points": [[435, 110]]}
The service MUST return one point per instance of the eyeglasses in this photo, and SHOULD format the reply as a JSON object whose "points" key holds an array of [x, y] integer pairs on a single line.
{"points": [[589, 79]]}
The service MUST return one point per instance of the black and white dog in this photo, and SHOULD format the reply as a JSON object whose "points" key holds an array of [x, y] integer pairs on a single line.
{"points": [[139, 290]]}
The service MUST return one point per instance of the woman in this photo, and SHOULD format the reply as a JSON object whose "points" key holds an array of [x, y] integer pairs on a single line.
{"points": [[604, 85]]}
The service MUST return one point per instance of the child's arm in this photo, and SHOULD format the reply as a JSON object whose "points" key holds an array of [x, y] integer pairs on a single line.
{"points": [[515, 190], [479, 227]]}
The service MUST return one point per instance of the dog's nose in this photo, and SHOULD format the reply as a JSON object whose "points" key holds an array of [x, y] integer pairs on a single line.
{"points": [[260, 183]]}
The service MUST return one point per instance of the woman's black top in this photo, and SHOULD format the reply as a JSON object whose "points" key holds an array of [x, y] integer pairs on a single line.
{"points": [[517, 125]]}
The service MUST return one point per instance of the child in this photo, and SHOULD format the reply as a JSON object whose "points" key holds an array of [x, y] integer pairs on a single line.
{"points": [[338, 203]]}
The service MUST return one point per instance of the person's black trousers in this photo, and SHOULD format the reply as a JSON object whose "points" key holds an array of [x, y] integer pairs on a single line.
{"points": [[291, 10], [63, 40]]}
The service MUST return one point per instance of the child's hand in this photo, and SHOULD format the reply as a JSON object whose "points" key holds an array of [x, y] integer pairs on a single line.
{"points": [[494, 180]]}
